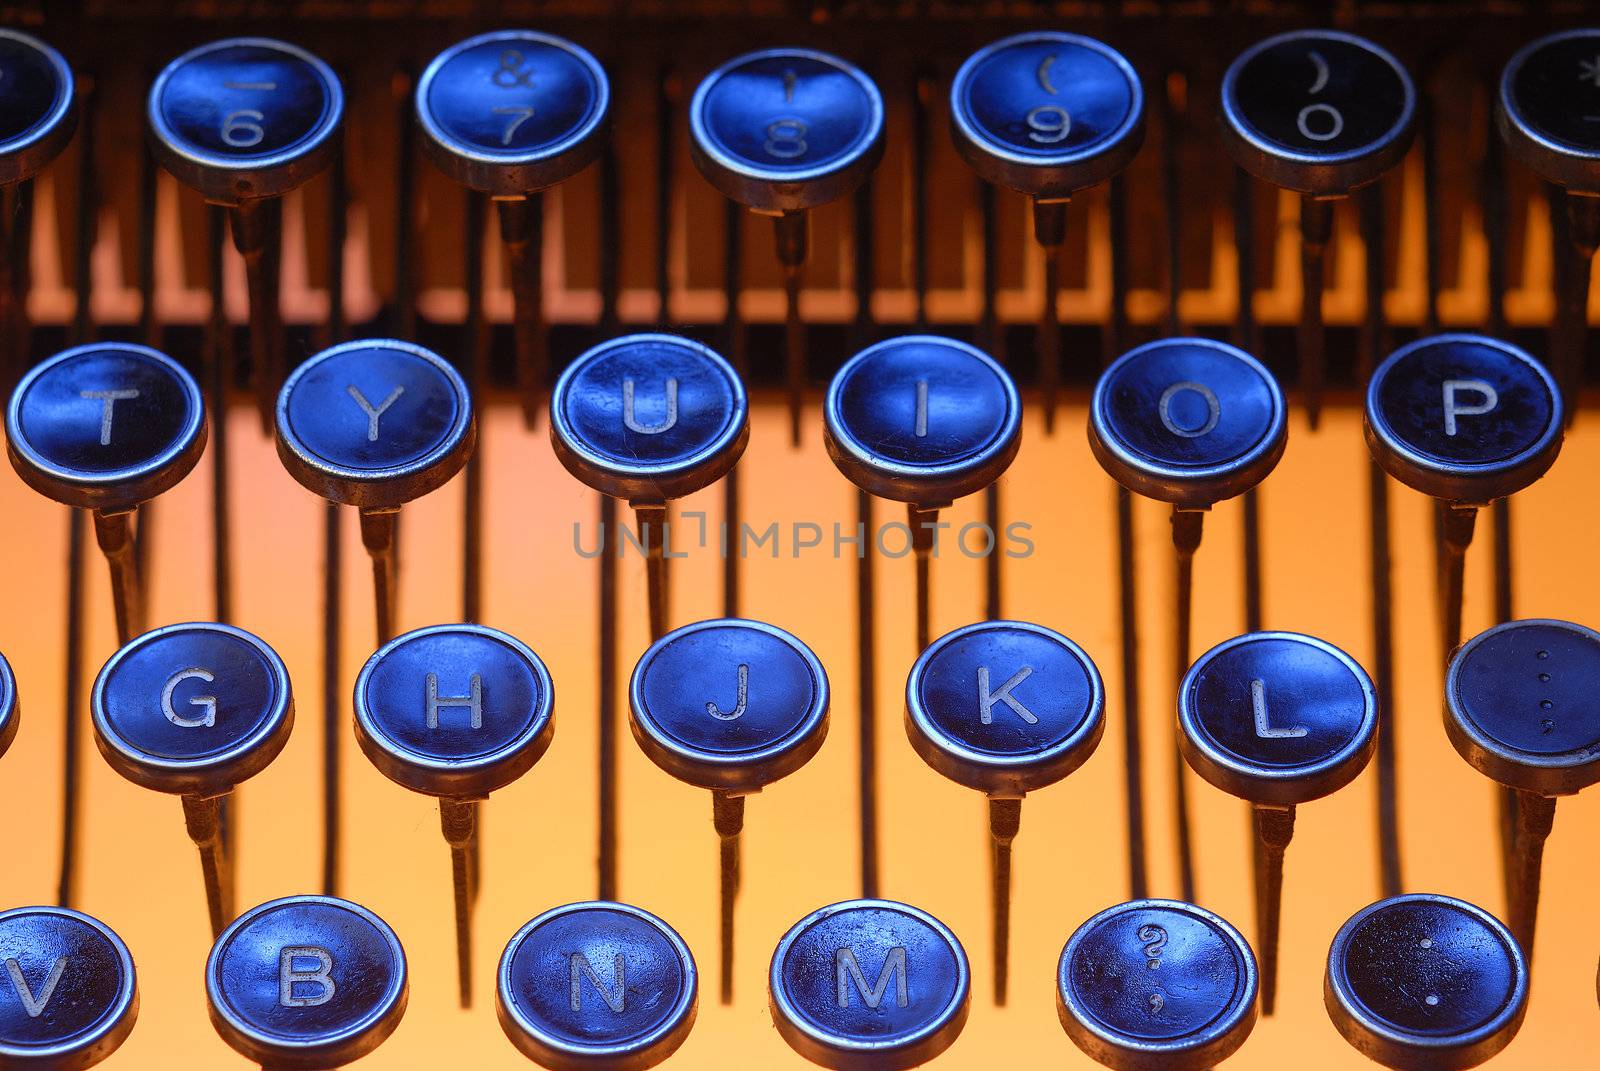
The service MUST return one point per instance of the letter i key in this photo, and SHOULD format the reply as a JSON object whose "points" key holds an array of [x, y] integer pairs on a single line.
{"points": [[195, 710], [306, 983], [732, 706], [1047, 114], [1006, 708], [374, 424], [649, 418], [1548, 111], [922, 420], [781, 132], [1465, 419], [1321, 113], [1189, 421], [1277, 719], [597, 985], [69, 995], [244, 121], [511, 114], [869, 984], [107, 427], [456, 712]]}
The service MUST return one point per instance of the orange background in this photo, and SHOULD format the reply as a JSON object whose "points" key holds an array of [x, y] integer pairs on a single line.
{"points": [[138, 870]]}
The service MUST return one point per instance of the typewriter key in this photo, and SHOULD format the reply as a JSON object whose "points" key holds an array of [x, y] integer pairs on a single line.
{"points": [[10, 709], [36, 113], [195, 710], [1157, 984], [244, 121], [1548, 112], [780, 132], [1519, 706], [869, 984], [1004, 707], [1426, 983], [457, 712], [106, 427], [1277, 719], [732, 706], [511, 114], [306, 983], [922, 420], [1466, 420], [597, 985], [1047, 114], [1321, 113], [69, 995], [1188, 421], [649, 418], [374, 424]]}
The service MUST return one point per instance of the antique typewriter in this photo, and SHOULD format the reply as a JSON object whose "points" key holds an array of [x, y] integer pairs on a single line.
{"points": [[522, 420]]}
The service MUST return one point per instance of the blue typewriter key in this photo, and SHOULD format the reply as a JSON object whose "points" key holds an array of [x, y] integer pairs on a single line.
{"points": [[513, 113], [869, 985], [36, 113], [1157, 984], [194, 710], [1277, 719], [1519, 706], [1465, 419], [69, 995], [10, 708], [780, 132], [922, 420], [457, 712], [649, 418], [1548, 113], [244, 121], [306, 983], [732, 706], [374, 424], [106, 427], [1004, 707], [1424, 982], [1047, 114], [1322, 113], [1188, 421], [597, 985]]}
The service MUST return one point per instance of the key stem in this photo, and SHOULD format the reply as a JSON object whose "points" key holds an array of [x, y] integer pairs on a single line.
{"points": [[1050, 231], [202, 817], [1274, 827], [727, 816], [114, 532], [458, 818], [378, 527], [1005, 816], [1187, 526]]}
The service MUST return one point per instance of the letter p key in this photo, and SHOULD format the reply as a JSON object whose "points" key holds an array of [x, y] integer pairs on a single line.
{"points": [[1489, 399]]}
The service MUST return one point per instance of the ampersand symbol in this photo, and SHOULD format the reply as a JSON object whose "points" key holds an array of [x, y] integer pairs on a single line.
{"points": [[510, 74]]}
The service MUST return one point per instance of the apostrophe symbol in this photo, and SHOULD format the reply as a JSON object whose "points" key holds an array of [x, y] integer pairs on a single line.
{"points": [[1154, 939], [1044, 74], [1322, 72], [790, 80]]}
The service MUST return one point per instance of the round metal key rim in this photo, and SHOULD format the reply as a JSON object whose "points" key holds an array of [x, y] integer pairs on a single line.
{"points": [[1194, 486], [994, 772], [1109, 154], [634, 1054], [114, 1024], [10, 708], [643, 481], [476, 776], [1551, 775], [1337, 173], [745, 771], [1459, 481], [448, 150], [1266, 784], [392, 485], [241, 760], [924, 485], [277, 1051], [122, 488], [1219, 1039], [868, 144], [1381, 1041], [898, 1053], [51, 132], [1558, 161]]}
